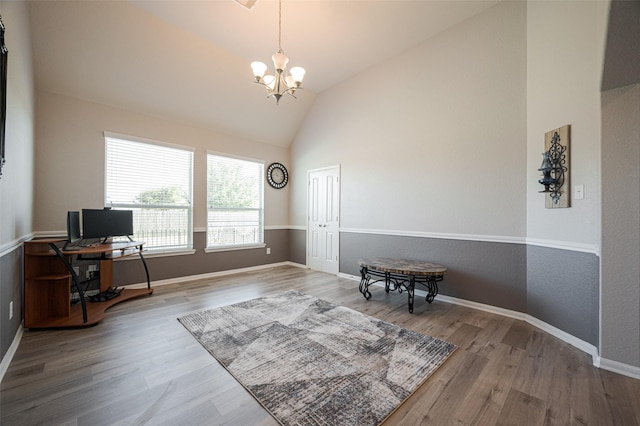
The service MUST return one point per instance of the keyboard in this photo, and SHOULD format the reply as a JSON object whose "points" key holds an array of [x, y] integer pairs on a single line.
{"points": [[78, 245]]}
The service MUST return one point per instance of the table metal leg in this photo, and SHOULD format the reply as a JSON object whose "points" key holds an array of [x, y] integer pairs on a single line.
{"points": [[432, 289], [399, 282], [411, 291], [364, 283]]}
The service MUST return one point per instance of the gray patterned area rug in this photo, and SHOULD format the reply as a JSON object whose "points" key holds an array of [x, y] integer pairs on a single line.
{"points": [[310, 362]]}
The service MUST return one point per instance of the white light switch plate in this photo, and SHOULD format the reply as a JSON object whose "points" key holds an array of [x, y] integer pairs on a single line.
{"points": [[578, 192]]}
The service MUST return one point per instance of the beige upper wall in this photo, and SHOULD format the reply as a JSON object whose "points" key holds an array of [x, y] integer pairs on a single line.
{"points": [[565, 48], [433, 141], [70, 157], [450, 134], [16, 184], [449, 117], [116, 53]]}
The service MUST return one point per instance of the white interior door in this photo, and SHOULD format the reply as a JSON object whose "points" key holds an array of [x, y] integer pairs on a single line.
{"points": [[323, 238]]}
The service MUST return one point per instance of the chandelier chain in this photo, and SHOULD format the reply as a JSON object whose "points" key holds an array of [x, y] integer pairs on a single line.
{"points": [[280, 25]]}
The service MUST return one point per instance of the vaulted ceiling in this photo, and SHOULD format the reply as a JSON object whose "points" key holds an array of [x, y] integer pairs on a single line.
{"points": [[189, 60]]}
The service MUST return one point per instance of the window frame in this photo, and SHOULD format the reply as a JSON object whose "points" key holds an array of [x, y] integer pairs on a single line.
{"points": [[261, 224], [157, 251]]}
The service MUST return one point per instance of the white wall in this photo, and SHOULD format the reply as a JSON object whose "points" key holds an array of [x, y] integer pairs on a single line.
{"points": [[565, 48], [16, 184], [432, 141], [70, 157]]}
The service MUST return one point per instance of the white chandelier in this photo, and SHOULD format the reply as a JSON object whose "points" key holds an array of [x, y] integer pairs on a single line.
{"points": [[279, 84]]}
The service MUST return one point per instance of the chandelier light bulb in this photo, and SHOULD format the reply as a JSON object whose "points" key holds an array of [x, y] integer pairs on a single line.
{"points": [[290, 82], [297, 73], [269, 81], [258, 69], [280, 60]]}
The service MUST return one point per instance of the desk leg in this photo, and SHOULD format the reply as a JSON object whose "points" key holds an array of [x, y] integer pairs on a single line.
{"points": [[146, 270], [144, 262], [74, 278], [410, 291], [364, 283]]}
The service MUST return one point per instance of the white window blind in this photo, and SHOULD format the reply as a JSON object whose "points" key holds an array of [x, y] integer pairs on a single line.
{"points": [[235, 206], [155, 181]]}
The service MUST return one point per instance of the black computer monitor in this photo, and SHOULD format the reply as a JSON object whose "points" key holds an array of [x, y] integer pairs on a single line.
{"points": [[73, 227], [105, 223]]}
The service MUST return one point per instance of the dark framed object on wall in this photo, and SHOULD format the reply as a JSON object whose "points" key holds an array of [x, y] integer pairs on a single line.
{"points": [[3, 94], [277, 175]]}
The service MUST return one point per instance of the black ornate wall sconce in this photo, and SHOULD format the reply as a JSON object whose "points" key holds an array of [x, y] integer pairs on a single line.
{"points": [[555, 168]]}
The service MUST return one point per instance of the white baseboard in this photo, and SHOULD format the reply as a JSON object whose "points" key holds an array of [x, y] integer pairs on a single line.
{"points": [[214, 274], [566, 337], [6, 359], [603, 363], [479, 306], [556, 332], [619, 367]]}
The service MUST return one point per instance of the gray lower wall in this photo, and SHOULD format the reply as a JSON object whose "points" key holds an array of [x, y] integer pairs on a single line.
{"points": [[161, 268], [10, 290], [558, 287], [563, 290], [298, 246], [483, 272]]}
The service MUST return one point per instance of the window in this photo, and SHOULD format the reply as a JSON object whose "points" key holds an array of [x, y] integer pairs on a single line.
{"points": [[234, 202], [155, 181]]}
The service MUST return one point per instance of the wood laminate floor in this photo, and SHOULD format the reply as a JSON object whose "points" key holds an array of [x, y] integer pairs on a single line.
{"points": [[140, 365]]}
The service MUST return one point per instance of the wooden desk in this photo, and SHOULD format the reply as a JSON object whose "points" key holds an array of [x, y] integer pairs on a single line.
{"points": [[49, 277], [401, 275]]}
